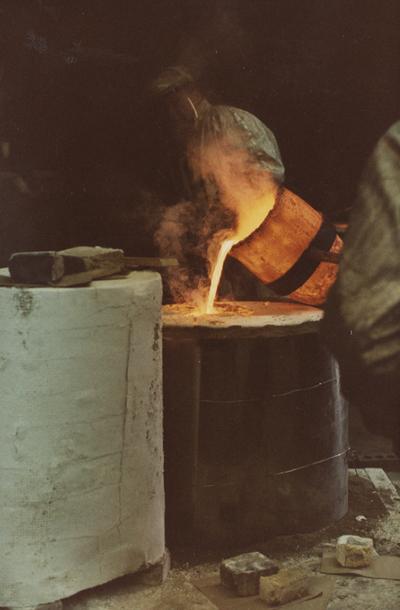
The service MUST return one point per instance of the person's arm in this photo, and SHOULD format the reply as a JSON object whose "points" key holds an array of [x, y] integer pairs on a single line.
{"points": [[362, 318]]}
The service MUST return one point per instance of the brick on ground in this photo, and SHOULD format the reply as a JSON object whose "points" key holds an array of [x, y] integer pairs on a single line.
{"points": [[285, 586], [242, 573]]}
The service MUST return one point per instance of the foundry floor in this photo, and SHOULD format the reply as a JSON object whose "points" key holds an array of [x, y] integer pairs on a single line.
{"points": [[179, 594], [350, 593], [382, 523]]}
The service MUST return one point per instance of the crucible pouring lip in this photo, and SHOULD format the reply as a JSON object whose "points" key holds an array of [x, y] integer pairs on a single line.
{"points": [[241, 319]]}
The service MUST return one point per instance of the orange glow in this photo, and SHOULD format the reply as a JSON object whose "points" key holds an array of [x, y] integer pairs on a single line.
{"points": [[250, 215], [243, 185], [217, 272], [238, 182]]}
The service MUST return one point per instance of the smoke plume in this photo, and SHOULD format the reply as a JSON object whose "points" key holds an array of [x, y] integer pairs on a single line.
{"points": [[192, 232]]}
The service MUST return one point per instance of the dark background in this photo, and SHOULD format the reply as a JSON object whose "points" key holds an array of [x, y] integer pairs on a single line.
{"points": [[84, 151]]}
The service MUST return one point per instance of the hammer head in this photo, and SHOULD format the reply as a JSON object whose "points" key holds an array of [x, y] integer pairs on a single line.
{"points": [[36, 267], [72, 266]]}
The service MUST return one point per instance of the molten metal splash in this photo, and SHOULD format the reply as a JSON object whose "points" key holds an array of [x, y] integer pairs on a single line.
{"points": [[217, 272]]}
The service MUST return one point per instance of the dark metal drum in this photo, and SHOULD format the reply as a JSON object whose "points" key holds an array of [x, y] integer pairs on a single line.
{"points": [[255, 426]]}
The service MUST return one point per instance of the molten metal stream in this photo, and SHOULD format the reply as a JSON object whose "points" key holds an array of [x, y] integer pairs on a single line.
{"points": [[217, 272]]}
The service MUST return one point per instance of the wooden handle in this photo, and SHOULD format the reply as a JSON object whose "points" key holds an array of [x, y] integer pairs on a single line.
{"points": [[131, 262]]}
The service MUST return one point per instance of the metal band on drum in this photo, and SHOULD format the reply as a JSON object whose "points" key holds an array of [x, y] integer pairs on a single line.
{"points": [[305, 266]]}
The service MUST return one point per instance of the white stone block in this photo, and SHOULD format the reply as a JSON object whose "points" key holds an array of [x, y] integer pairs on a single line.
{"points": [[81, 457], [354, 551]]}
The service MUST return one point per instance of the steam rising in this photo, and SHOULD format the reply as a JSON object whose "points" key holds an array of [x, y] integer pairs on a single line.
{"points": [[236, 180], [234, 194], [192, 233]]}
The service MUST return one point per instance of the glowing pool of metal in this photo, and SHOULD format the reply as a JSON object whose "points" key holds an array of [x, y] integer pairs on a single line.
{"points": [[243, 314]]}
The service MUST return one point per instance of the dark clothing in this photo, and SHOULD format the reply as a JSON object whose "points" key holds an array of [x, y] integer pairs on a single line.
{"points": [[362, 320]]}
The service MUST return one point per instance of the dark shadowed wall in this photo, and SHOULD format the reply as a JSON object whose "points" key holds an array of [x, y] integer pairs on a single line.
{"points": [[79, 161]]}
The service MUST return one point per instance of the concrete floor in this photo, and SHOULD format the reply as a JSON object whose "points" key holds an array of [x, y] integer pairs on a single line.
{"points": [[179, 593]]}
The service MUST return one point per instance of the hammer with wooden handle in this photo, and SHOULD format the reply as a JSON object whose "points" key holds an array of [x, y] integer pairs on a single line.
{"points": [[76, 266]]}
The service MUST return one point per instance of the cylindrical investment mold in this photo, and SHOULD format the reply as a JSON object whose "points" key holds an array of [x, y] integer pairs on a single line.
{"points": [[82, 493]]}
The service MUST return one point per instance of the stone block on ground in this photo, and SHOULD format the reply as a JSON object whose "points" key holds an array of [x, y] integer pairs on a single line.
{"points": [[354, 551], [242, 573], [284, 587]]}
